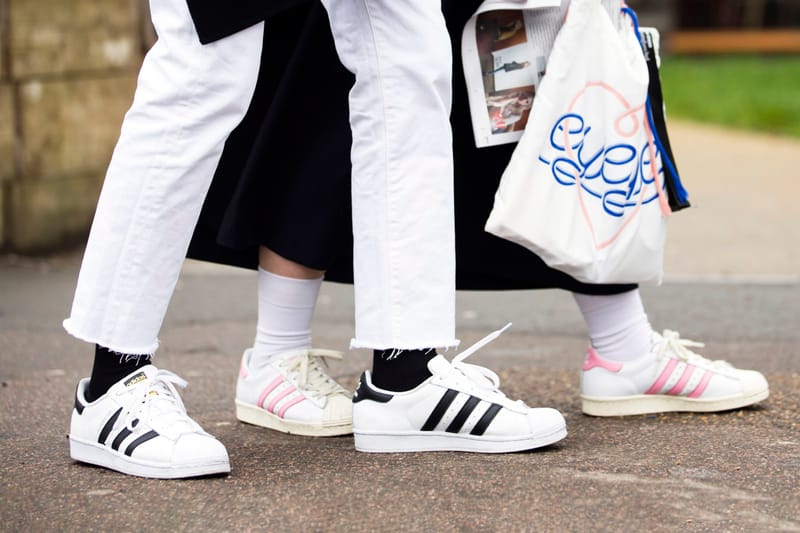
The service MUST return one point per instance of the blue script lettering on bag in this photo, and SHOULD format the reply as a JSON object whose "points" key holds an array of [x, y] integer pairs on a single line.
{"points": [[616, 174]]}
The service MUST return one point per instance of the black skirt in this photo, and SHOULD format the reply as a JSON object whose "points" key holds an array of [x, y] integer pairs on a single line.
{"points": [[284, 177], [215, 20]]}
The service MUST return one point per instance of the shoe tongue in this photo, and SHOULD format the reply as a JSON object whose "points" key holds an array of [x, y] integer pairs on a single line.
{"points": [[135, 379], [655, 338], [438, 364]]}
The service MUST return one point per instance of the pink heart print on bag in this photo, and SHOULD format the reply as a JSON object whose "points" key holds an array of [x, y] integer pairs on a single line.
{"points": [[612, 175]]}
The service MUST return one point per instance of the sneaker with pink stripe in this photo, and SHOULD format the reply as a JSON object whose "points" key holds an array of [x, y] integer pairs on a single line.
{"points": [[294, 394], [670, 377]]}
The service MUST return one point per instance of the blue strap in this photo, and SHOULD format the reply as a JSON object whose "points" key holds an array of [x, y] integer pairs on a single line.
{"points": [[683, 196]]}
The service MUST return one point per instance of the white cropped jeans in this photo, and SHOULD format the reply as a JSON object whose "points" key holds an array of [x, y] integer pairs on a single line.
{"points": [[190, 97]]}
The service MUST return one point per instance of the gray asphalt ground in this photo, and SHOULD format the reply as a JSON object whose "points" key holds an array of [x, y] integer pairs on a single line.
{"points": [[733, 281]]}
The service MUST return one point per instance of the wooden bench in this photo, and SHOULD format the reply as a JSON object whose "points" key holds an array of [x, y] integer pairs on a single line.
{"points": [[733, 41]]}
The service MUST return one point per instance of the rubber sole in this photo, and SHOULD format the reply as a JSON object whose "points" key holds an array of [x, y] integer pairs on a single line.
{"points": [[253, 414], [650, 404], [440, 441], [96, 454]]}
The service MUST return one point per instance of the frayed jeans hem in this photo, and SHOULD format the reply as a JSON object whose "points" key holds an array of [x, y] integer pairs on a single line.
{"points": [[131, 349]]}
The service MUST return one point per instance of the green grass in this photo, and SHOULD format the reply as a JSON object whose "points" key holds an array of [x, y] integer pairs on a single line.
{"points": [[750, 92]]}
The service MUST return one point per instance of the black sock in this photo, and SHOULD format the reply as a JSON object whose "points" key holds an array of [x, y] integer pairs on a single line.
{"points": [[110, 367], [400, 370]]}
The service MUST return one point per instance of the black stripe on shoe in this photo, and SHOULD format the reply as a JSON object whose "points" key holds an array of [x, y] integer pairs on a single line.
{"points": [[463, 414], [486, 419], [440, 409], [141, 440], [108, 426], [121, 436]]}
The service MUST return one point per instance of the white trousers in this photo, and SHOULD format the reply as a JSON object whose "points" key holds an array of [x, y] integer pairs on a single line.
{"points": [[402, 188], [188, 99]]}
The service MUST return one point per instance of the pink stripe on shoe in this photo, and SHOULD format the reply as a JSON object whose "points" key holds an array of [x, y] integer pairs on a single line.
{"points": [[289, 404], [280, 397], [702, 385], [687, 374], [663, 378], [271, 387], [594, 360]]}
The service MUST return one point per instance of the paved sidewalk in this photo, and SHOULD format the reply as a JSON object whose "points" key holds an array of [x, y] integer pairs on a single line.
{"points": [[744, 190], [733, 281]]}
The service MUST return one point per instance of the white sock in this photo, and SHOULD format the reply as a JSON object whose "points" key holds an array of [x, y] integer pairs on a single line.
{"points": [[285, 308], [618, 325]]}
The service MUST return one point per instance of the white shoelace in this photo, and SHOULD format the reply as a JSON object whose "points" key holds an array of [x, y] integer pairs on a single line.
{"points": [[311, 377], [161, 407], [481, 376], [671, 342]]}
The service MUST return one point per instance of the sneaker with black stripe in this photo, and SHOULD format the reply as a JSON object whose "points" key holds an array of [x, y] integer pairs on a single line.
{"points": [[459, 408], [140, 427]]}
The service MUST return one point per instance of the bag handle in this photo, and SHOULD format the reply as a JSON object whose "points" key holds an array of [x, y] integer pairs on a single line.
{"points": [[652, 134]]}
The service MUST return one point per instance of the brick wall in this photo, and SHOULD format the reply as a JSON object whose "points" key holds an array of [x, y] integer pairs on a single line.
{"points": [[67, 74]]}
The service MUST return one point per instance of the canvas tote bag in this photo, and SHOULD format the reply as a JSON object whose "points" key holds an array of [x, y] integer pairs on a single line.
{"points": [[584, 189]]}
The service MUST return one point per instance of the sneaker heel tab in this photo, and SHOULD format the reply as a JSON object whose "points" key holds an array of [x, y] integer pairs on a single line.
{"points": [[593, 360], [243, 367], [365, 392], [79, 406]]}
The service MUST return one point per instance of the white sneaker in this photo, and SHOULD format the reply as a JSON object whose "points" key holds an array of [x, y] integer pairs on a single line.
{"points": [[293, 394], [668, 378], [140, 427], [459, 408]]}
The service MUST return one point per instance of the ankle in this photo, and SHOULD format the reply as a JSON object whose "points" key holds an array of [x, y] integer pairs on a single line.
{"points": [[401, 370], [263, 355], [109, 367]]}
